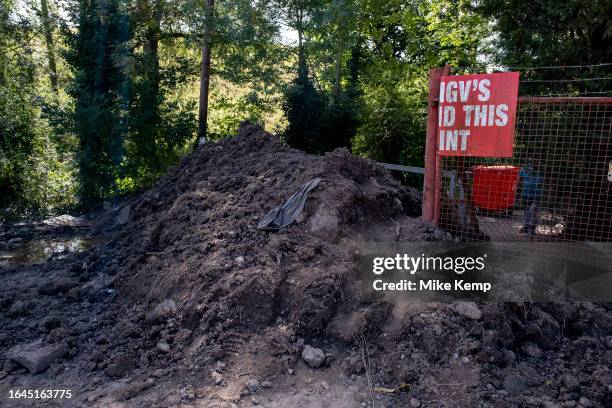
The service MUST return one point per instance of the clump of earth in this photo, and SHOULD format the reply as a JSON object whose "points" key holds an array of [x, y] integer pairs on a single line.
{"points": [[186, 303]]}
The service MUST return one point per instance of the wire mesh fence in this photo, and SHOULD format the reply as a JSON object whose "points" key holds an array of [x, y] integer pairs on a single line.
{"points": [[556, 187]]}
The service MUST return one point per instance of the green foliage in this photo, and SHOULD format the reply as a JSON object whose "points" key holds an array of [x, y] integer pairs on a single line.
{"points": [[318, 123], [551, 33], [322, 119], [159, 127], [339, 122], [17, 132], [304, 107], [98, 56], [33, 177], [16, 113], [229, 110], [249, 64], [406, 41], [244, 41], [392, 124]]}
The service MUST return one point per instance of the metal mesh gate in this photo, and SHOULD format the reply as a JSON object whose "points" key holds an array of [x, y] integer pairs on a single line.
{"points": [[555, 187]]}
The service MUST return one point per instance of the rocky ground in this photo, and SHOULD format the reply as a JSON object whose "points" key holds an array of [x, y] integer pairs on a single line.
{"points": [[182, 302]]}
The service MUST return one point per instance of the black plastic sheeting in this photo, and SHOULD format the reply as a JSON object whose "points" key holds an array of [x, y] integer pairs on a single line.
{"points": [[285, 214]]}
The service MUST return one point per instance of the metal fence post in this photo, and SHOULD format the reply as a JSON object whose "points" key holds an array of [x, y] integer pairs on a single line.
{"points": [[432, 179]]}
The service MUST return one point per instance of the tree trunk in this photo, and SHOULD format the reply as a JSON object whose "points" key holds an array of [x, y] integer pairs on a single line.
{"points": [[353, 66], [341, 22], [302, 67], [205, 73], [146, 110], [339, 51], [46, 21]]}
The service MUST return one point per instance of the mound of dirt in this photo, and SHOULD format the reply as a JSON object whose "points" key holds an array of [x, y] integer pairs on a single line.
{"points": [[193, 237]]}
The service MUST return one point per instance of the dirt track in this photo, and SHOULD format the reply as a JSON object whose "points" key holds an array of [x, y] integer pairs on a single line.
{"points": [[186, 286]]}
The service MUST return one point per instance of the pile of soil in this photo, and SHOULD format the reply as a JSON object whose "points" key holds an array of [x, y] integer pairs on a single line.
{"points": [[188, 301], [193, 237]]}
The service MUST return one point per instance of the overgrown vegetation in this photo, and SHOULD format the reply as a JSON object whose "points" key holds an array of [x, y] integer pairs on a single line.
{"points": [[36, 171], [99, 97]]}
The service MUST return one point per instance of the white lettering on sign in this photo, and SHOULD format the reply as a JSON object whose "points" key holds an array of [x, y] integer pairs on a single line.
{"points": [[449, 116], [483, 88], [473, 109], [502, 115], [481, 115], [464, 90], [451, 89], [449, 138]]}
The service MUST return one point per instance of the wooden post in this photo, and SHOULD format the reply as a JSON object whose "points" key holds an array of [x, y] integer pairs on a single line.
{"points": [[432, 163], [438, 181]]}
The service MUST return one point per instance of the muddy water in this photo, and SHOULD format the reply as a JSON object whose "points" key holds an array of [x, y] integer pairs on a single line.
{"points": [[41, 250]]}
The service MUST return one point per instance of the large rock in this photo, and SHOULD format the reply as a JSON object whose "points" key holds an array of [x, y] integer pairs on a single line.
{"points": [[162, 312], [314, 357], [124, 215], [131, 390], [18, 308], [325, 223], [570, 382], [163, 346], [468, 309], [56, 286], [531, 349], [513, 384], [36, 356], [217, 377], [121, 363], [100, 282], [252, 385]]}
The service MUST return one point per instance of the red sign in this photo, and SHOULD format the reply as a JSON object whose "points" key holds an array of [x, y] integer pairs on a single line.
{"points": [[476, 114]]}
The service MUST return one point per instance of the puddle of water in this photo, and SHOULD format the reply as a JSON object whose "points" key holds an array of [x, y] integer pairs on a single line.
{"points": [[41, 250]]}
